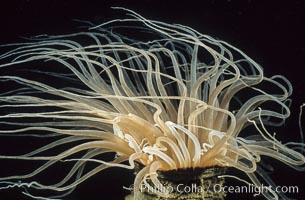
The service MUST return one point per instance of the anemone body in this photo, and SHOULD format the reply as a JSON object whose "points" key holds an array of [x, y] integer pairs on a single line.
{"points": [[177, 100]]}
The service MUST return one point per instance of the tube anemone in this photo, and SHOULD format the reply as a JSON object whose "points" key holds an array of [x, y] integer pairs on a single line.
{"points": [[175, 100]]}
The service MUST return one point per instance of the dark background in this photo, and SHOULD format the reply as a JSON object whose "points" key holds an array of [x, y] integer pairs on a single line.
{"points": [[270, 32]]}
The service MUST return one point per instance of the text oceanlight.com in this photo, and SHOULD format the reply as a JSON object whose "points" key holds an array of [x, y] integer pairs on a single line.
{"points": [[218, 188]]}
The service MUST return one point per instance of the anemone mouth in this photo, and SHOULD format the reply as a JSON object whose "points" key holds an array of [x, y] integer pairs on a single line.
{"points": [[182, 100]]}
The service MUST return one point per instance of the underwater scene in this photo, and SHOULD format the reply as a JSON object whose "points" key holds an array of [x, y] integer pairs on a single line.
{"points": [[151, 99]]}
